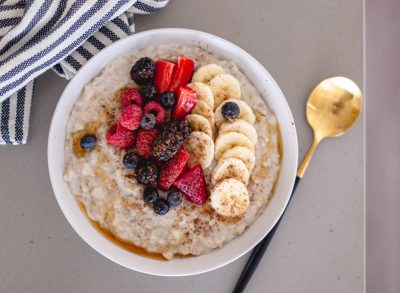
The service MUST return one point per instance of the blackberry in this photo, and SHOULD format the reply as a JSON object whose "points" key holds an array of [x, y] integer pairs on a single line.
{"points": [[171, 138], [150, 195], [147, 173], [167, 99], [131, 160], [149, 93], [148, 121], [230, 110], [161, 206], [88, 142], [142, 71], [185, 128], [174, 197]]}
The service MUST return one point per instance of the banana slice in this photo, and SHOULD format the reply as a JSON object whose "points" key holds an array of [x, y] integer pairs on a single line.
{"points": [[203, 93], [241, 126], [230, 168], [246, 113], [224, 87], [229, 140], [199, 123], [203, 109], [207, 72], [243, 154], [200, 147], [230, 198]]}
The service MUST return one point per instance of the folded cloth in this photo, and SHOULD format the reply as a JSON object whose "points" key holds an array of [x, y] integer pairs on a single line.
{"points": [[36, 35]]}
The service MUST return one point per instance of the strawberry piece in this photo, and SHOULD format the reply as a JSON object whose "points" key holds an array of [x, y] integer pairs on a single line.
{"points": [[130, 117], [144, 141], [164, 71], [193, 185], [182, 74], [171, 171], [157, 110], [186, 101], [131, 96], [120, 137]]}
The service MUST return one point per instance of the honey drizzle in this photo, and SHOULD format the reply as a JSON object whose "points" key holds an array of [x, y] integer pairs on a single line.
{"points": [[123, 244]]}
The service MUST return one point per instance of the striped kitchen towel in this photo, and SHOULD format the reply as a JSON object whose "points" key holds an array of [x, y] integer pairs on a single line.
{"points": [[36, 35]]}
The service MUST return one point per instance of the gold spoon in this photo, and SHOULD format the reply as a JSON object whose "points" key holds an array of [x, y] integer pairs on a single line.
{"points": [[332, 108]]}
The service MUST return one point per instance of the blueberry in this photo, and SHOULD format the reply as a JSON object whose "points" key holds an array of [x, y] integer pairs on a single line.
{"points": [[88, 142], [131, 160], [174, 198], [142, 71], [149, 93], [161, 206], [167, 99], [230, 110], [148, 121], [150, 195]]}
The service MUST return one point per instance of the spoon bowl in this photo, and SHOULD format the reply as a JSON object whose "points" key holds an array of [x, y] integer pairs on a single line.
{"points": [[333, 106]]}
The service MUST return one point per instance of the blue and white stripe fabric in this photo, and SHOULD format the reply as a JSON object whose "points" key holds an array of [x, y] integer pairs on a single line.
{"points": [[36, 35]]}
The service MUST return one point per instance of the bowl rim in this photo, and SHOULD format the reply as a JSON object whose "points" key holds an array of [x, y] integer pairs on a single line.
{"points": [[191, 265]]}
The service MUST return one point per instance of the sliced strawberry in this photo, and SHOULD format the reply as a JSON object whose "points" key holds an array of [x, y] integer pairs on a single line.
{"points": [[193, 185], [120, 137], [131, 96], [171, 170], [157, 110], [164, 71], [182, 74], [186, 101], [144, 141], [130, 117]]}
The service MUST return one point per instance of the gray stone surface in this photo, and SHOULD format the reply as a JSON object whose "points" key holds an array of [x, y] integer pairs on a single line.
{"points": [[319, 245]]}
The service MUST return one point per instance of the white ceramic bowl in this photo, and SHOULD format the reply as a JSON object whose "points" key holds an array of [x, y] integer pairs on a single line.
{"points": [[218, 257]]}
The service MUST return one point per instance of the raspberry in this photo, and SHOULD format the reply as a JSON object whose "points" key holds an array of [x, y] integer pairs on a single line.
{"points": [[171, 171], [144, 141], [193, 185], [130, 117], [131, 96], [119, 136], [157, 110]]}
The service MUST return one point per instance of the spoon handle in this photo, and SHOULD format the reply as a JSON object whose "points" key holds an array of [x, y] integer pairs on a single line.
{"points": [[258, 252]]}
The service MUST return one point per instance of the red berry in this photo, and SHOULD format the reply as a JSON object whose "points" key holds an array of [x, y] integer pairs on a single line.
{"points": [[186, 101], [119, 136], [193, 185], [130, 117], [157, 110], [171, 170], [163, 75], [144, 141], [182, 74], [131, 96]]}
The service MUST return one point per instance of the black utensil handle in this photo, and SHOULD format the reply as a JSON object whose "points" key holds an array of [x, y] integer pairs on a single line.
{"points": [[258, 252]]}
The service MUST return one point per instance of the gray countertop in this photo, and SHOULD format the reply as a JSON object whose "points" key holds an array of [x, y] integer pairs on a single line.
{"points": [[319, 246]]}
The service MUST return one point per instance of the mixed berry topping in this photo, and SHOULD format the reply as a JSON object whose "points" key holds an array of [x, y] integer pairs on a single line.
{"points": [[153, 125]]}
